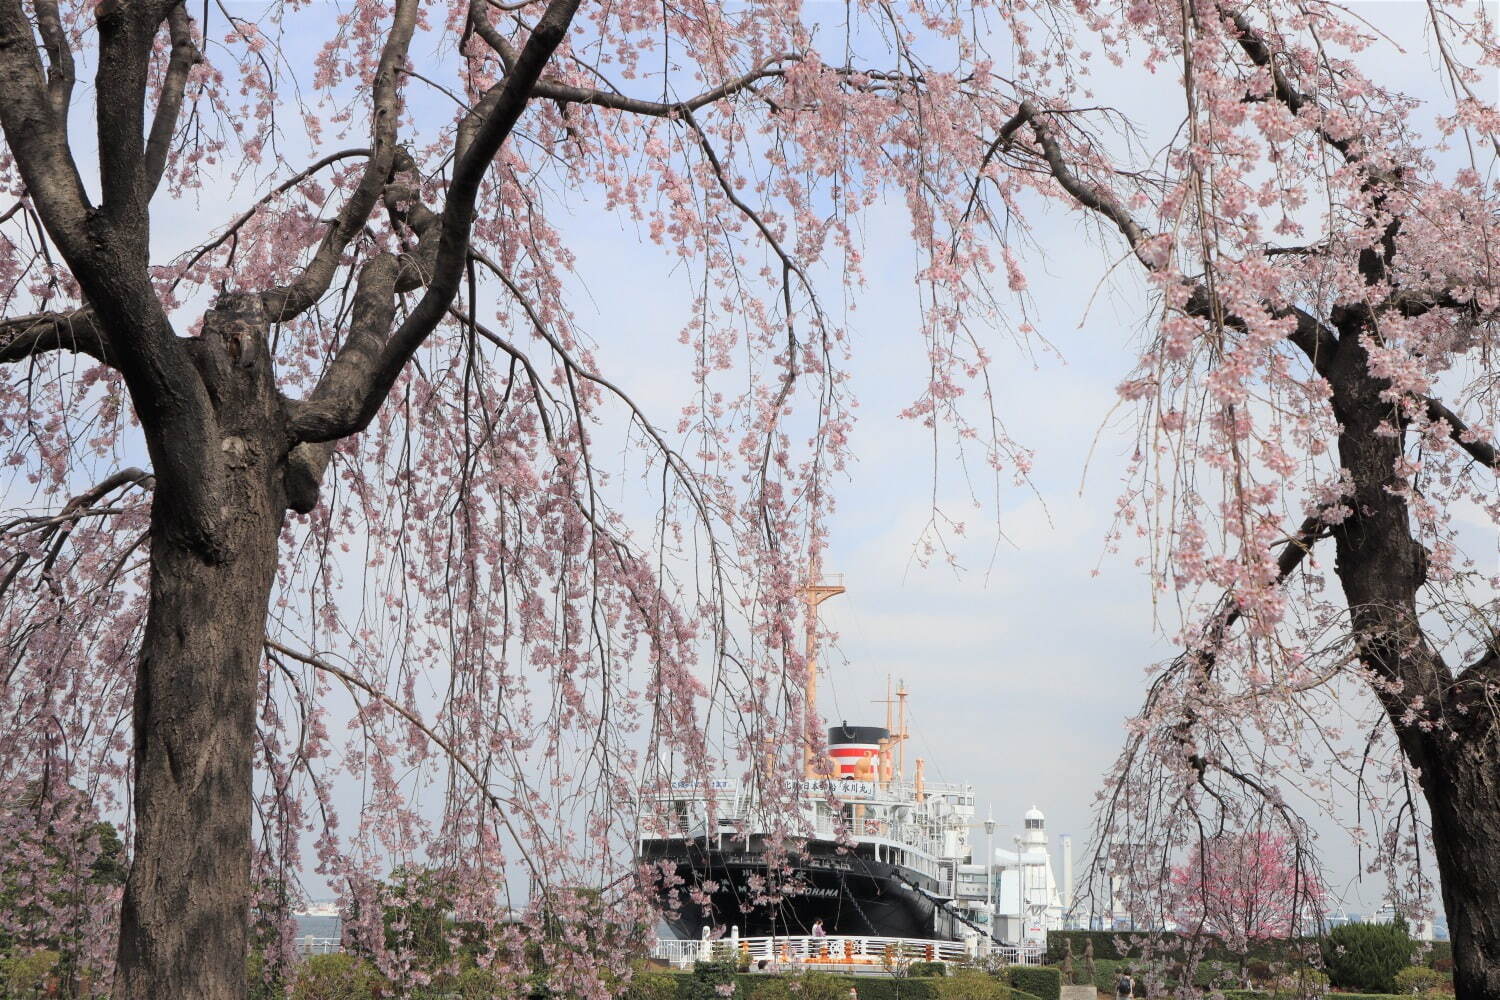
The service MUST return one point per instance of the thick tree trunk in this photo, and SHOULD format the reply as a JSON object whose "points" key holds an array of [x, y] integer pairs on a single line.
{"points": [[1381, 568], [1462, 784], [185, 913]]}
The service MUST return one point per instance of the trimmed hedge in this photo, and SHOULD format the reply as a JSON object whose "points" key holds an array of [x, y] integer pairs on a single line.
{"points": [[1264, 995], [1037, 980], [651, 986], [920, 970], [812, 986], [971, 984], [1108, 946], [747, 985], [339, 976], [896, 989], [951, 988]]}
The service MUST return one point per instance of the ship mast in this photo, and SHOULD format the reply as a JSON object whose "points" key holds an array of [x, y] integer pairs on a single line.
{"points": [[897, 736], [902, 735], [820, 589]]}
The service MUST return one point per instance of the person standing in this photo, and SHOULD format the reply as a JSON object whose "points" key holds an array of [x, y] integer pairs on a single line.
{"points": [[818, 930], [1125, 987]]}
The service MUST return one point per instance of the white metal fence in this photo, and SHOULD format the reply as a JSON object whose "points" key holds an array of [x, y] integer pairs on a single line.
{"points": [[1029, 954], [856, 953]]}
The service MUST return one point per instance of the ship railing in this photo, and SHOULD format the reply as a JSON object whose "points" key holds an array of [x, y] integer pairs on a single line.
{"points": [[726, 788], [857, 953]]}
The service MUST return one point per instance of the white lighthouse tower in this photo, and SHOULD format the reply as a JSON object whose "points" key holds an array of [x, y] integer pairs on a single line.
{"points": [[1035, 837], [1028, 903]]}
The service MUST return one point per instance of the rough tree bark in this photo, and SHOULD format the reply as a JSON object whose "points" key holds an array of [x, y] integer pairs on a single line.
{"points": [[1461, 782], [186, 897]]}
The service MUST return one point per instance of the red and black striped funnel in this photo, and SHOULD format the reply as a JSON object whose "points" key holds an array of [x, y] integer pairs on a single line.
{"points": [[848, 745]]}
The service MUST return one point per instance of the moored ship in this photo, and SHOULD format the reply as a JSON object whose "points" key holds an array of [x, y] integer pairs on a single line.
{"points": [[872, 853]]}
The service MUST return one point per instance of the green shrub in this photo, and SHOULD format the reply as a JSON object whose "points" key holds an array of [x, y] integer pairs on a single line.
{"points": [[474, 983], [259, 983], [1418, 979], [919, 969], [337, 977], [1367, 956], [1210, 974], [706, 979], [772, 988], [651, 986], [1263, 995], [764, 987], [1039, 981], [27, 974], [1122, 945], [970, 984]]}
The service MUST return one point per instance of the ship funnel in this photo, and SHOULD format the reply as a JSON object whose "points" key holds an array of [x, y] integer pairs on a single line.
{"points": [[856, 750]]}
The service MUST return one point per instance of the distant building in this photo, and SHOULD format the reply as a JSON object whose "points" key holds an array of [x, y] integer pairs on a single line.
{"points": [[1421, 929], [1341, 918], [1028, 899]]}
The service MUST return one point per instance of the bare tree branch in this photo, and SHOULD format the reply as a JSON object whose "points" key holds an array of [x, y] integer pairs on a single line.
{"points": [[60, 73], [568, 93], [285, 303], [353, 682], [26, 336], [1313, 337], [185, 56], [326, 416], [1482, 451], [36, 132]]}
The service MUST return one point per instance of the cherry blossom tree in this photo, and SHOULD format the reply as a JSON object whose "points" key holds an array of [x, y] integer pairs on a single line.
{"points": [[333, 457], [329, 458], [1316, 394], [1243, 888]]}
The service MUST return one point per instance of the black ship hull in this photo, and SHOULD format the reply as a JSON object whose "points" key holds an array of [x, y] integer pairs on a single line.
{"points": [[851, 893]]}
